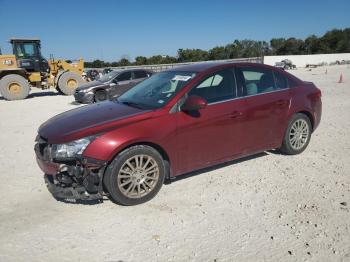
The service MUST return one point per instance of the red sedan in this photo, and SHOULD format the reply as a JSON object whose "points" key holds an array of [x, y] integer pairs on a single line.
{"points": [[175, 122]]}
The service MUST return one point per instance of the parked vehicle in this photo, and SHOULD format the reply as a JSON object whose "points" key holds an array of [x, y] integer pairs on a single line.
{"points": [[106, 71], [27, 67], [177, 121], [92, 75], [285, 64], [110, 85]]}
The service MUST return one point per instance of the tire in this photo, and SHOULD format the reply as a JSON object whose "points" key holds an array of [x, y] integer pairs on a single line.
{"points": [[100, 95], [14, 87], [297, 136], [68, 82], [143, 187]]}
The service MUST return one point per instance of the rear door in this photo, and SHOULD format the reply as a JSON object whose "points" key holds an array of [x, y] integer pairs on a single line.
{"points": [[268, 101], [212, 134]]}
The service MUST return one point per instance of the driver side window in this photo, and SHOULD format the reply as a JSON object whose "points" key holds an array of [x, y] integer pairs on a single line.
{"points": [[218, 87]]}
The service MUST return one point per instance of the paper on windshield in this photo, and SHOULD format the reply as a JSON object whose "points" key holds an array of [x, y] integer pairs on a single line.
{"points": [[181, 78]]}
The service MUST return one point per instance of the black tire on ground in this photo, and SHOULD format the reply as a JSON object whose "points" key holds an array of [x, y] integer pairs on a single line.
{"points": [[100, 95], [68, 82], [113, 173], [290, 146], [14, 87]]}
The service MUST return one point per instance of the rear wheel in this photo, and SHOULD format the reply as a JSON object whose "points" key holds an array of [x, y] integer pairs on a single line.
{"points": [[14, 87], [135, 176], [68, 82], [297, 135], [100, 95]]}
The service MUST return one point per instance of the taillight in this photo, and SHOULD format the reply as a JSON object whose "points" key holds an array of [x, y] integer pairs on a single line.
{"points": [[318, 93]]}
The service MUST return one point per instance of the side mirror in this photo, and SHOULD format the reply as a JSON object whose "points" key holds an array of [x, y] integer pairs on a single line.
{"points": [[194, 103], [112, 84]]}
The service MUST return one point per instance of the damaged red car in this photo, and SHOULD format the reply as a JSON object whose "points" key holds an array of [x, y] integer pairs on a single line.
{"points": [[175, 122]]}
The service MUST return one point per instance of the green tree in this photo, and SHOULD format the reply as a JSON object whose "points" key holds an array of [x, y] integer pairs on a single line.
{"points": [[333, 41], [124, 62], [140, 60], [192, 55]]}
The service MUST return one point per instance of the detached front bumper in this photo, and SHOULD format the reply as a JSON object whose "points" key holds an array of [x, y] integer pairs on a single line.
{"points": [[67, 192], [80, 179]]}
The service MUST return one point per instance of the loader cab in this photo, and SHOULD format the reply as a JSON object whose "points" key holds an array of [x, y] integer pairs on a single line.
{"points": [[28, 55]]}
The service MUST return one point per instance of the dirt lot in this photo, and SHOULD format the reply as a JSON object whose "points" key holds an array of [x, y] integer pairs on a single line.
{"points": [[266, 208]]}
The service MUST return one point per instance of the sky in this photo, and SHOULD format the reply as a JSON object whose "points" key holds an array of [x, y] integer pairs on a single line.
{"points": [[109, 30]]}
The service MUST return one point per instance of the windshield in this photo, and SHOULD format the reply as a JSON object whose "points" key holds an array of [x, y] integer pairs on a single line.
{"points": [[156, 91], [26, 50], [108, 76]]}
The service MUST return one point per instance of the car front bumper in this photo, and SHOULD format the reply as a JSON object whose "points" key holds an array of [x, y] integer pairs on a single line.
{"points": [[84, 97], [72, 180]]}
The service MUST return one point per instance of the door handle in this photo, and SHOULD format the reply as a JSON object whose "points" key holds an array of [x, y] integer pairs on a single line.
{"points": [[281, 102], [236, 114]]}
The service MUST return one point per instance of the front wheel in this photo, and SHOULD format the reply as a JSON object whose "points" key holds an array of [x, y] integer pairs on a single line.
{"points": [[100, 95], [14, 87], [297, 136], [135, 175]]}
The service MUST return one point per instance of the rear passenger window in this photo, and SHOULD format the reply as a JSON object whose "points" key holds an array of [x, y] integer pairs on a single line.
{"points": [[280, 80], [140, 74], [256, 80], [124, 76], [292, 83], [217, 87]]}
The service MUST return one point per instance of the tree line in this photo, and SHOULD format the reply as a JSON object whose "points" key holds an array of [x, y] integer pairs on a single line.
{"points": [[333, 41]]}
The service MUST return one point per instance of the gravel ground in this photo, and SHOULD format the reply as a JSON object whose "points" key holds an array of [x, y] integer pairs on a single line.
{"points": [[269, 207]]}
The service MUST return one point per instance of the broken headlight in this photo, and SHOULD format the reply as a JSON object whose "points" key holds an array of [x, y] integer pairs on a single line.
{"points": [[70, 150]]}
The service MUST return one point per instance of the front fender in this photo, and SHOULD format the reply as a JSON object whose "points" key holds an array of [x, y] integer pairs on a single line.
{"points": [[152, 131]]}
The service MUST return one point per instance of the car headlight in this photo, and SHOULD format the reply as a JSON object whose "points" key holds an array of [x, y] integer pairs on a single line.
{"points": [[87, 90], [70, 150]]}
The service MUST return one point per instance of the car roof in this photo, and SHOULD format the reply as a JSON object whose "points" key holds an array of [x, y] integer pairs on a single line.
{"points": [[130, 69], [201, 67]]}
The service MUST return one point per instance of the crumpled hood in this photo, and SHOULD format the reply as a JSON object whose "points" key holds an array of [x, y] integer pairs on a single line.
{"points": [[91, 85], [88, 120]]}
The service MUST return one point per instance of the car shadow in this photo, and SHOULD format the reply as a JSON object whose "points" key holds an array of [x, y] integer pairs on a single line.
{"points": [[215, 167], [75, 103], [178, 178], [44, 93], [38, 94], [275, 152]]}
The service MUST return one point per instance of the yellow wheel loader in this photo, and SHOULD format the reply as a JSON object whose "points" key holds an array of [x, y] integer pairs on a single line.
{"points": [[27, 68]]}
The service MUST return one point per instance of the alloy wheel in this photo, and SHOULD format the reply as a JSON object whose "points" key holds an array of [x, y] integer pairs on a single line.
{"points": [[299, 134], [138, 176]]}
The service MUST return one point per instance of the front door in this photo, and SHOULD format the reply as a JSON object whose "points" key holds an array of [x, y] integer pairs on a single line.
{"points": [[212, 134]]}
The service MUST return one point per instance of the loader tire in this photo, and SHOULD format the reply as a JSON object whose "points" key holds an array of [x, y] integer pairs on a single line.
{"points": [[14, 87], [68, 82]]}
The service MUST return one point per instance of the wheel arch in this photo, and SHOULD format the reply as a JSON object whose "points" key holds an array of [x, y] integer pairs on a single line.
{"points": [[310, 116], [99, 89], [157, 147], [13, 72]]}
